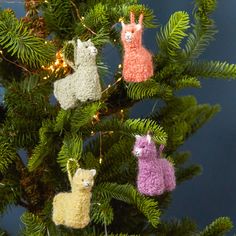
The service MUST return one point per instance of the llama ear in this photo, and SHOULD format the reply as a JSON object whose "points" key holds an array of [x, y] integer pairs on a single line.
{"points": [[140, 20], [79, 43], [77, 171], [132, 17], [149, 138], [93, 171], [89, 41], [138, 27], [137, 136]]}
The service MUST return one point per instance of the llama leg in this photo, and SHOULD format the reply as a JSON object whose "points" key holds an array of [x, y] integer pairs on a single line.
{"points": [[58, 210], [169, 177]]}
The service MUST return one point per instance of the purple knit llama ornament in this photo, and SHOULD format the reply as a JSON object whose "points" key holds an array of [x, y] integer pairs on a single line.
{"points": [[156, 175]]}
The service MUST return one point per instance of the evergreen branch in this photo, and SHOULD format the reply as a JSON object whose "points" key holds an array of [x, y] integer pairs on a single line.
{"points": [[180, 158], [118, 162], [9, 194], [132, 127], [18, 42], [183, 227], [84, 114], [102, 213], [182, 117], [44, 148], [127, 193], [183, 174], [33, 225], [171, 36], [204, 29], [206, 6], [214, 69], [185, 82], [219, 227], [62, 120], [59, 18], [148, 89], [71, 149], [7, 155], [3, 233]]}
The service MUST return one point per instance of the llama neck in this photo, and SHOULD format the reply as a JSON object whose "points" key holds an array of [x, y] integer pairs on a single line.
{"points": [[79, 192], [147, 159]]}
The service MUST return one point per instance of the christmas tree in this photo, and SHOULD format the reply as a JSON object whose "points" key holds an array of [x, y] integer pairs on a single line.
{"points": [[39, 50]]}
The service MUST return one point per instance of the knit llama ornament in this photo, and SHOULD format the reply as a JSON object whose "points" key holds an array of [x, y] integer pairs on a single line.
{"points": [[137, 64], [156, 175], [72, 209], [84, 84]]}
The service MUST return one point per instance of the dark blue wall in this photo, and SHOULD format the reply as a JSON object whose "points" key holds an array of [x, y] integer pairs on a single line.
{"points": [[212, 194]]}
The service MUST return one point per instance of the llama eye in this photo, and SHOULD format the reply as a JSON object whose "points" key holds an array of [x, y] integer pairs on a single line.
{"points": [[132, 31], [82, 180], [143, 146]]}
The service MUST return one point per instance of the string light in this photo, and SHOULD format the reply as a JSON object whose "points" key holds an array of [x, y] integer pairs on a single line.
{"points": [[109, 86], [119, 66], [57, 64], [96, 118]]}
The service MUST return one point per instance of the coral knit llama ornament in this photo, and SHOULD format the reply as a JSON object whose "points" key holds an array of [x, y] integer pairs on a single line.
{"points": [[72, 209], [156, 175], [137, 64]]}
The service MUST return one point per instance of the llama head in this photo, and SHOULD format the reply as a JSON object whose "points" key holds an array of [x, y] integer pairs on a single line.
{"points": [[83, 180], [131, 34], [86, 52], [144, 147]]}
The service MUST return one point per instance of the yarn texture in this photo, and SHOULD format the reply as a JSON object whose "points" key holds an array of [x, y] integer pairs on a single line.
{"points": [[156, 175], [137, 64], [72, 209], [84, 84]]}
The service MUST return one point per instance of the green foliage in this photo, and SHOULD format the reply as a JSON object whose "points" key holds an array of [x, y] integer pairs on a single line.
{"points": [[117, 163], [184, 227], [84, 114], [3, 233], [171, 36], [127, 193], [132, 127], [62, 120], [9, 194], [102, 213], [59, 18], [204, 29], [187, 173], [71, 149], [206, 6], [218, 227], [44, 148], [33, 225], [214, 69], [182, 117], [68, 51], [148, 89], [7, 155], [16, 39], [185, 82]]}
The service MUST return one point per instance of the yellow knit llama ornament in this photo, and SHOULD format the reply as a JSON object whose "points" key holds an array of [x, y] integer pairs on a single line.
{"points": [[72, 209]]}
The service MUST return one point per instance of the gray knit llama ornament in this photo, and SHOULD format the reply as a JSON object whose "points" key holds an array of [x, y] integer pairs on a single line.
{"points": [[84, 84]]}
